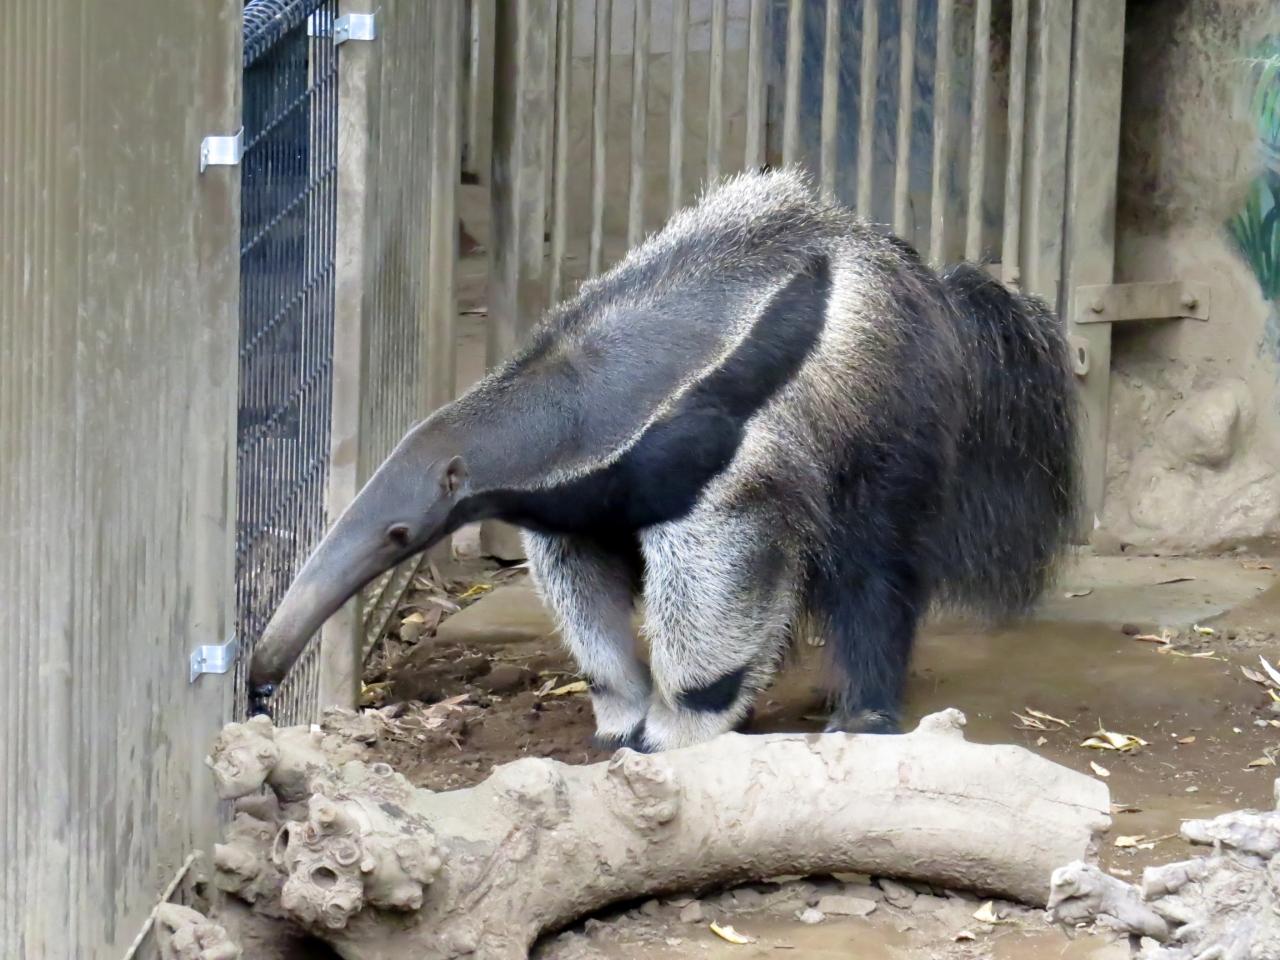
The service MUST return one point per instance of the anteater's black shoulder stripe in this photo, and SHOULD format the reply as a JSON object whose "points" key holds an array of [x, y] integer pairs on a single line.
{"points": [[660, 477]]}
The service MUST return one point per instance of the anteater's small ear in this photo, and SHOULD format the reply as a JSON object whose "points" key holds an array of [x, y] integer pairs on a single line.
{"points": [[455, 474]]}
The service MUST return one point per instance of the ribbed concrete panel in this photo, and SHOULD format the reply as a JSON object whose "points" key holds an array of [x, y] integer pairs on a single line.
{"points": [[118, 292]]}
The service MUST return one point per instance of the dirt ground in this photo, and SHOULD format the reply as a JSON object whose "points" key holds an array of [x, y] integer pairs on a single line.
{"points": [[1149, 648]]}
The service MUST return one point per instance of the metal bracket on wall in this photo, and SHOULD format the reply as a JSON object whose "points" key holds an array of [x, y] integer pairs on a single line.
{"points": [[212, 658], [1155, 300], [349, 26], [222, 151]]}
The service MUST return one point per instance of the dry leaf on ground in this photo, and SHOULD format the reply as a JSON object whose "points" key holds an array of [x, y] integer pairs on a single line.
{"points": [[1040, 715], [728, 933], [475, 590], [1272, 672], [1109, 740], [578, 686], [1099, 769], [1254, 675], [987, 913]]}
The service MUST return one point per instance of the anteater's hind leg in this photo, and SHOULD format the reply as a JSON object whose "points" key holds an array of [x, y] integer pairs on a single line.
{"points": [[590, 587], [867, 599], [720, 602]]}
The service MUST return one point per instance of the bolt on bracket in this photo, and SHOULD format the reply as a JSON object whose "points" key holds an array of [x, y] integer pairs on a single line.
{"points": [[349, 26], [1152, 300], [212, 658]]}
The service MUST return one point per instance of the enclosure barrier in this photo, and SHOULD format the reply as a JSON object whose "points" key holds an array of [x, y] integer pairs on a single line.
{"points": [[122, 289], [955, 123], [349, 239], [118, 281]]}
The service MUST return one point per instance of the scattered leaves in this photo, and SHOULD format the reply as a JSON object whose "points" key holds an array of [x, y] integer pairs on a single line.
{"points": [[1163, 638], [987, 913], [1272, 672], [1099, 769], [1072, 594], [728, 933], [1186, 739], [1203, 631], [1125, 808], [1125, 842], [1041, 741]]}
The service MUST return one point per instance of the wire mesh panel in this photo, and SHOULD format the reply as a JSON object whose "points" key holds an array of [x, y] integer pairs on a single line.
{"points": [[288, 217]]}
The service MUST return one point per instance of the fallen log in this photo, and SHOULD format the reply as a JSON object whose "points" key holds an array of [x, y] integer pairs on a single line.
{"points": [[1224, 906], [386, 871]]}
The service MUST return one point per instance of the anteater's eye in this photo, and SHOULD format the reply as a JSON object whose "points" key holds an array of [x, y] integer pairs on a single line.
{"points": [[398, 533]]}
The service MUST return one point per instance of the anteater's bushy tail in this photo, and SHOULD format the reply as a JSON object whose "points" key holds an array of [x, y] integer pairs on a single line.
{"points": [[1014, 499]]}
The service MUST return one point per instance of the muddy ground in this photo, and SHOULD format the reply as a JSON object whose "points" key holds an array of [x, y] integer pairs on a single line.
{"points": [[1148, 648]]}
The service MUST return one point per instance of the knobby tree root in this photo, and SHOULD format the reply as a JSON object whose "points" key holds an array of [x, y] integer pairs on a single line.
{"points": [[1223, 906], [380, 869], [185, 934]]}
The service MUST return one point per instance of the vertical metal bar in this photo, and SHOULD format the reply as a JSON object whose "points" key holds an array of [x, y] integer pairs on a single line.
{"points": [[1011, 255], [525, 70], [679, 59], [480, 90], [715, 89], [599, 125], [1089, 253], [830, 97], [978, 129], [791, 96], [869, 71], [754, 158], [639, 118], [441, 334], [560, 148], [1045, 177], [941, 134], [341, 636], [906, 92]]}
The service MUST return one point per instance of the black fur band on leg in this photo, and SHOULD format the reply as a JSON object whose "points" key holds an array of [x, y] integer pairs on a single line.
{"points": [[715, 697], [632, 741]]}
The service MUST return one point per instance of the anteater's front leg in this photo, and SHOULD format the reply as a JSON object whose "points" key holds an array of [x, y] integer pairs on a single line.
{"points": [[720, 606], [590, 587]]}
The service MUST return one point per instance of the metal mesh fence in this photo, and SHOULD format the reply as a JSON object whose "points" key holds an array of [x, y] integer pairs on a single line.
{"points": [[288, 218]]}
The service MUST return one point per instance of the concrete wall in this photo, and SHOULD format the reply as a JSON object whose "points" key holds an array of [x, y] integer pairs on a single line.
{"points": [[1194, 447]]}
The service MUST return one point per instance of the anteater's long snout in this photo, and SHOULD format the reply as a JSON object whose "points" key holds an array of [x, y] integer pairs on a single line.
{"points": [[333, 574], [406, 506]]}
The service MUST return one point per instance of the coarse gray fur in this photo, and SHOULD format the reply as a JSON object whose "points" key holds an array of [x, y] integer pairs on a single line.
{"points": [[768, 418]]}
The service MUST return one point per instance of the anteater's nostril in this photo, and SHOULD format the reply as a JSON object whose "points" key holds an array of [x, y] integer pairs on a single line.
{"points": [[398, 533]]}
